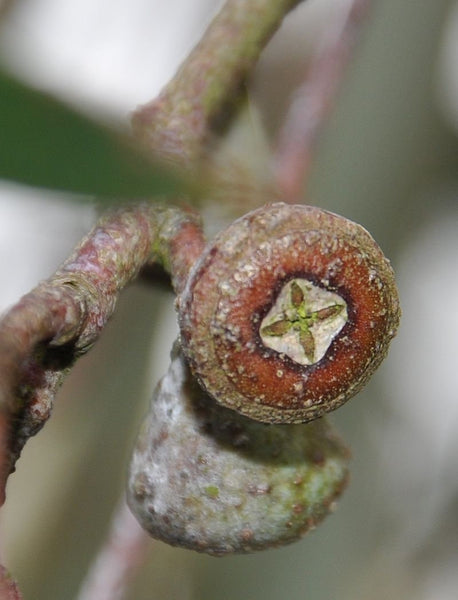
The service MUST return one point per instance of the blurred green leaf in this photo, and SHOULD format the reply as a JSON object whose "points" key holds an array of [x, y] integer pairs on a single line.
{"points": [[44, 143]]}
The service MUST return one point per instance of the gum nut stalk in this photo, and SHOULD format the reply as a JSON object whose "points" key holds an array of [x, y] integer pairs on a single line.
{"points": [[206, 478]]}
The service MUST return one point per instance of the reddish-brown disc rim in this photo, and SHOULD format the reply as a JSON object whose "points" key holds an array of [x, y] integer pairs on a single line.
{"points": [[234, 286]]}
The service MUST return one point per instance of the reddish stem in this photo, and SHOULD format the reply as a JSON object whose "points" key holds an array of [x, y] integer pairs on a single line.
{"points": [[118, 560], [314, 98], [61, 319], [8, 587], [179, 122]]}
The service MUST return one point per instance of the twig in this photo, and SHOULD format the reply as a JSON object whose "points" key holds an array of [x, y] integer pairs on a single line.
{"points": [[8, 587], [118, 560], [314, 97], [5, 5], [179, 122], [61, 319]]}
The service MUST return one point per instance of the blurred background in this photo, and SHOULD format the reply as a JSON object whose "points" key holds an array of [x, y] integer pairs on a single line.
{"points": [[387, 159]]}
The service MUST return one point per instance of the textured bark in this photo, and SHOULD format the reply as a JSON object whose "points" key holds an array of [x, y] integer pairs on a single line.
{"points": [[62, 317], [180, 121]]}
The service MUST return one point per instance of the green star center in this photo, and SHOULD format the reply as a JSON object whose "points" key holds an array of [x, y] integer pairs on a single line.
{"points": [[304, 321]]}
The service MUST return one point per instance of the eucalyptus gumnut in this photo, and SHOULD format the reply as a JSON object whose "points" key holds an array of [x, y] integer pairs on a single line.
{"points": [[288, 312], [209, 479]]}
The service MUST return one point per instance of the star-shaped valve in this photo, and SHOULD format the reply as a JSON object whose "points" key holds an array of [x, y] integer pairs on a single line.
{"points": [[303, 321]]}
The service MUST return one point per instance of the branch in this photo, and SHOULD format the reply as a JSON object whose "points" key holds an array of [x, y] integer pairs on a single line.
{"points": [[8, 587], [180, 121], [314, 98], [5, 5], [60, 320], [118, 560]]}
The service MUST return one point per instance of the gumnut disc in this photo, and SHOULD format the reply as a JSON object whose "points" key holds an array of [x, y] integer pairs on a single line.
{"points": [[288, 312]]}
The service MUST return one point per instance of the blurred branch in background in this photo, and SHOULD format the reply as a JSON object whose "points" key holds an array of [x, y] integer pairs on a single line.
{"points": [[314, 98], [4, 6], [205, 90], [118, 560]]}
